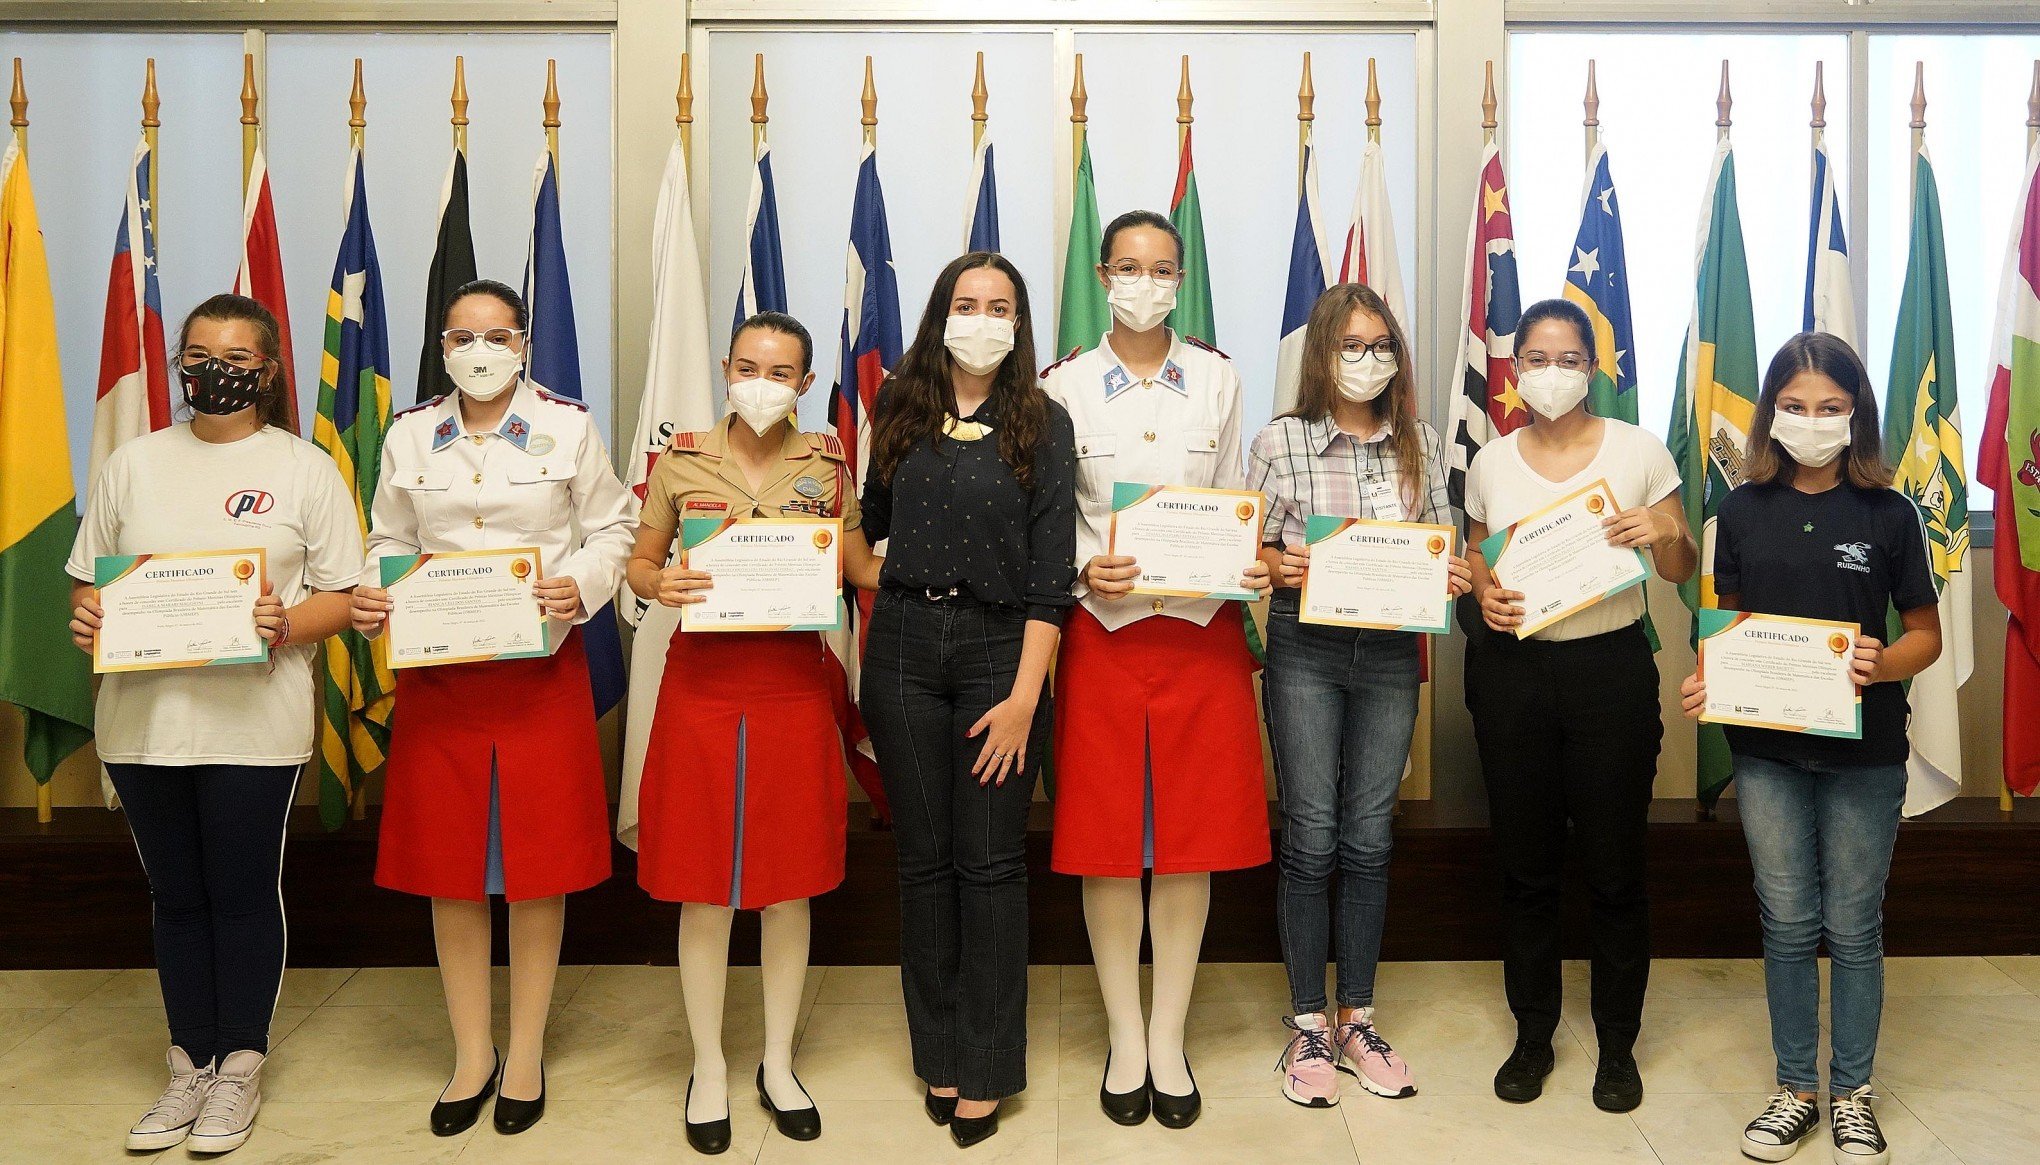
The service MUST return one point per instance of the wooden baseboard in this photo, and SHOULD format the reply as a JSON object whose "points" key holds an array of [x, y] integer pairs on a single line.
{"points": [[72, 894]]}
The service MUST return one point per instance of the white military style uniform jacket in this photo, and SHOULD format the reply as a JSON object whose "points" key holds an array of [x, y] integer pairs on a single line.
{"points": [[1179, 427], [540, 478]]}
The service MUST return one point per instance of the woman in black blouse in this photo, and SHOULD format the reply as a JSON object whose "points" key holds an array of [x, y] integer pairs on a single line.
{"points": [[972, 479]]}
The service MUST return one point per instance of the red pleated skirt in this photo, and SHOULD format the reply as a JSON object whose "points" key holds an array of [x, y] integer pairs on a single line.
{"points": [[743, 801], [531, 722], [1156, 736]]}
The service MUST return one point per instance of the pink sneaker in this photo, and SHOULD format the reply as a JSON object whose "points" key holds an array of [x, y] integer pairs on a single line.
{"points": [[1366, 1057], [1308, 1065]]}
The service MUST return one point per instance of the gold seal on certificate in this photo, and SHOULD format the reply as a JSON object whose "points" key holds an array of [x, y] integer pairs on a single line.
{"points": [[1192, 542], [464, 606], [1391, 576], [771, 574], [178, 610], [1771, 671], [1560, 559]]}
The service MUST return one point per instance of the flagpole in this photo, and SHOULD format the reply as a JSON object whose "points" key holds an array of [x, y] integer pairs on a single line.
{"points": [[869, 102], [1592, 105], [1306, 97], [459, 101], [1079, 99], [1918, 124], [1183, 100], [758, 99], [1819, 122], [1487, 105], [683, 117], [18, 101], [249, 123], [151, 105], [1723, 103], [1373, 105], [551, 105], [978, 94]]}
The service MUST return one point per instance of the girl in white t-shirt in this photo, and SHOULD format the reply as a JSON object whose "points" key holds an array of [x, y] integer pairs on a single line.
{"points": [[206, 760], [1567, 719]]}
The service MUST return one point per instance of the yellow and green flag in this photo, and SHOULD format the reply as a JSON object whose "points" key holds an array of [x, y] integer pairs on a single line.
{"points": [[357, 693], [1083, 316], [41, 672], [1715, 402], [1923, 442]]}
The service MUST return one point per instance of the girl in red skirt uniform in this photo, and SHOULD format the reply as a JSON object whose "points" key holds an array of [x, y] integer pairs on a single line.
{"points": [[495, 781], [1157, 751], [742, 801]]}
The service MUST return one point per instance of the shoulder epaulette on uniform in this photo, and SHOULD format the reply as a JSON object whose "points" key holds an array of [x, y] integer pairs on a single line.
{"points": [[688, 442], [1073, 354], [826, 445], [557, 399], [421, 406], [1194, 342]]}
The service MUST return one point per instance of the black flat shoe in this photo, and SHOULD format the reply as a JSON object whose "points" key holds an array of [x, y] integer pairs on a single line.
{"points": [[1125, 1108], [969, 1130], [1177, 1112], [801, 1124], [515, 1116], [451, 1118], [710, 1137], [941, 1109]]}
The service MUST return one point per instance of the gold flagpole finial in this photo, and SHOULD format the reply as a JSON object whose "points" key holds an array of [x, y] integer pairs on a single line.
{"points": [[1723, 103], [1919, 96], [1306, 94], [758, 99], [459, 99], [683, 99], [151, 104], [18, 99], [978, 96], [868, 101], [551, 102], [1819, 96], [1591, 104], [1079, 97], [1183, 95], [248, 94], [357, 103], [1488, 104], [1373, 103]]}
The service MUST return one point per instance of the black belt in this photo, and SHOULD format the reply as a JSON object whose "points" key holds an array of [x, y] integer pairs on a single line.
{"points": [[952, 596]]}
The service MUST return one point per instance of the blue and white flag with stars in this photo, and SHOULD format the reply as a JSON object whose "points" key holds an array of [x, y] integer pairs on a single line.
{"points": [[1598, 281]]}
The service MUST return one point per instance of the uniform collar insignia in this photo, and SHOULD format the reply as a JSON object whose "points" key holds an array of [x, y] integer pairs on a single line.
{"points": [[515, 429], [447, 432], [1117, 380], [1172, 375]]}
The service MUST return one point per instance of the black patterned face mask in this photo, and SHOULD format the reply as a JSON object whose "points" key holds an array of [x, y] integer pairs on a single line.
{"points": [[217, 388]]}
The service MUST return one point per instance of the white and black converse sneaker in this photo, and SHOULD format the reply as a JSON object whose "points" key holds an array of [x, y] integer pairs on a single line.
{"points": [[170, 1121], [1785, 1122], [1858, 1140], [230, 1106]]}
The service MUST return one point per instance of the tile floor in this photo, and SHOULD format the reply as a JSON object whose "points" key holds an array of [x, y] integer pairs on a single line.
{"points": [[359, 1055]]}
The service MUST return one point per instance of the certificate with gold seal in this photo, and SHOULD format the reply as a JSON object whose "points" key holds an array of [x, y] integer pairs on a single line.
{"points": [[769, 574], [1560, 560], [178, 610], [1392, 576], [1187, 541], [1772, 671], [464, 606]]}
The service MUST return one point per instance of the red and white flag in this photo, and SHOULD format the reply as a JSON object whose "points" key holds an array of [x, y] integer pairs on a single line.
{"points": [[134, 374], [261, 275], [1369, 256]]}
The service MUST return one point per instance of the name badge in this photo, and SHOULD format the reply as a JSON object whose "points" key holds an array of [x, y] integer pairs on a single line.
{"points": [[1381, 497]]}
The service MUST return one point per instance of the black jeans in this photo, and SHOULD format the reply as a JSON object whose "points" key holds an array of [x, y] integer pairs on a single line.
{"points": [[931, 669], [1569, 733], [211, 840]]}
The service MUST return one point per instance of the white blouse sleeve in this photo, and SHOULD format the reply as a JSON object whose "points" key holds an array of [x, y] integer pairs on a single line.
{"points": [[603, 517]]}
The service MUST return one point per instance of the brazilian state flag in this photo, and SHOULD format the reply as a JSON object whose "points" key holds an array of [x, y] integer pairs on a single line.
{"points": [[1192, 316], [1083, 317]]}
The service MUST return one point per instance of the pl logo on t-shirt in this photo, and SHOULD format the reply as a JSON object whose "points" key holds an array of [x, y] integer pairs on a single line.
{"points": [[244, 502]]}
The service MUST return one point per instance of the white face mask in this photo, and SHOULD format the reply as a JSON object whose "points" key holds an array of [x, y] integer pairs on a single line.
{"points": [[1551, 390], [978, 342], [760, 402], [482, 372], [1140, 303], [1364, 379], [1812, 441]]}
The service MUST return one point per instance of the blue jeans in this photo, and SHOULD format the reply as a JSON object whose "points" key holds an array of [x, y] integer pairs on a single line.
{"points": [[1341, 704], [1820, 837]]}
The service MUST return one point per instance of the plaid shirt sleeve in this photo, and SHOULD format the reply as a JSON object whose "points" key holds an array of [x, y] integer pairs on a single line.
{"points": [[1436, 508], [1261, 476]]}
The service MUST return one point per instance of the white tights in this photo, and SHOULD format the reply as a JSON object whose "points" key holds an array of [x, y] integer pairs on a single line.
{"points": [[704, 972], [1175, 914]]}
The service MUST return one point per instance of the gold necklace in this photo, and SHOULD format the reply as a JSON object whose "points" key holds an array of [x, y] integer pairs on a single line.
{"points": [[960, 430]]}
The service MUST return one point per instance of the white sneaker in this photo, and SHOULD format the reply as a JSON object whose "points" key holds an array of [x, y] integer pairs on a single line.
{"points": [[230, 1105], [169, 1122]]}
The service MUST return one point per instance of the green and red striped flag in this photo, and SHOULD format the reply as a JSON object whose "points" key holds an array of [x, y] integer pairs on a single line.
{"points": [[41, 672], [357, 692], [1715, 402], [1923, 442], [1082, 319], [1192, 316]]}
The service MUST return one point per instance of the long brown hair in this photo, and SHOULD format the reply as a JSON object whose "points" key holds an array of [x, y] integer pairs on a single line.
{"points": [[273, 406], [1318, 390], [1864, 465], [916, 398]]}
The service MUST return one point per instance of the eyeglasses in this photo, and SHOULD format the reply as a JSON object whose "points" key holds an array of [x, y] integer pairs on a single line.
{"points": [[1570, 361], [456, 340], [1383, 350], [237, 357], [1126, 271]]}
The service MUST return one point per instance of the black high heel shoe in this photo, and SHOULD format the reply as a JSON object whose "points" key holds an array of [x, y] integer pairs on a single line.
{"points": [[801, 1124], [940, 1109], [1125, 1108], [710, 1137], [1177, 1112], [451, 1118], [515, 1116], [969, 1130]]}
